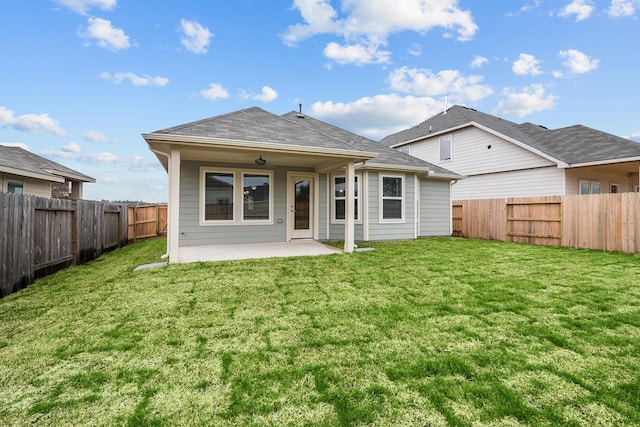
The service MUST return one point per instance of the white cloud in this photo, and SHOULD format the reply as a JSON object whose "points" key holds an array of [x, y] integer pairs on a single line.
{"points": [[136, 80], [35, 123], [378, 116], [620, 8], [95, 136], [526, 8], [83, 6], [267, 95], [215, 91], [371, 22], [71, 147], [527, 65], [196, 38], [424, 82], [529, 100], [478, 61], [415, 50], [107, 36], [356, 54], [577, 62], [635, 136], [73, 152], [582, 9]]}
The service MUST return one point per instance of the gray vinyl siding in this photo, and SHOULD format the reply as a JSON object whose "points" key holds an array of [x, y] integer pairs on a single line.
{"points": [[193, 234], [435, 208], [323, 206], [390, 230]]}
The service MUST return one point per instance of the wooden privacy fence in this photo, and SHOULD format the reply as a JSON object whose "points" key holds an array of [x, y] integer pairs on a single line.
{"points": [[609, 222], [40, 236], [147, 221]]}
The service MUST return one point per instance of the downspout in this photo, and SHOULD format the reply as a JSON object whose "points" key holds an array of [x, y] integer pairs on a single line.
{"points": [[166, 254]]}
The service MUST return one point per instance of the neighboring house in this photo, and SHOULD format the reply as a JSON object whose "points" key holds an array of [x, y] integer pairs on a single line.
{"points": [[254, 177], [500, 158], [23, 172]]}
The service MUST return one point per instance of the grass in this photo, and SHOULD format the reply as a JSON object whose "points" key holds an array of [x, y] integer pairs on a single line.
{"points": [[432, 332]]}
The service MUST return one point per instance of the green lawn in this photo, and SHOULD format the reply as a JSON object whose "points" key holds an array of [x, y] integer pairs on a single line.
{"points": [[431, 332]]}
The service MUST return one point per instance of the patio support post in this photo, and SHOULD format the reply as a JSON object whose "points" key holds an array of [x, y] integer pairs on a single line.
{"points": [[349, 223], [173, 233]]}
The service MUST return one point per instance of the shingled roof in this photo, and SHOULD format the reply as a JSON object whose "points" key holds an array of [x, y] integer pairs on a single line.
{"points": [[16, 160], [256, 125], [386, 156], [571, 145]]}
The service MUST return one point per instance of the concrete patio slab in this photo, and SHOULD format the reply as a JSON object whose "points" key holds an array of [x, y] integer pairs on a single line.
{"points": [[255, 250]]}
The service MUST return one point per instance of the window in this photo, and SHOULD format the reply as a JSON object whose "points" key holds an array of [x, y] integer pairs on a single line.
{"points": [[590, 187], [614, 188], [446, 151], [585, 187], [218, 196], [391, 198], [233, 196], [340, 200], [256, 190], [15, 187]]}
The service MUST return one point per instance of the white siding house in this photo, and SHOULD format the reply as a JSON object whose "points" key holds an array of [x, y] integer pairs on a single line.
{"points": [[503, 159]]}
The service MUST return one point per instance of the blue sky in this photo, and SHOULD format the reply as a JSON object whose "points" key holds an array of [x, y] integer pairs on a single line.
{"points": [[80, 80]]}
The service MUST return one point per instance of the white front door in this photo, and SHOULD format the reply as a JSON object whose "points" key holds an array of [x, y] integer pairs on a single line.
{"points": [[301, 206]]}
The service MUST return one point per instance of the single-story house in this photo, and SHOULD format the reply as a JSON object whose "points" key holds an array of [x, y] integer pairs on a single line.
{"points": [[23, 172], [251, 176], [500, 158]]}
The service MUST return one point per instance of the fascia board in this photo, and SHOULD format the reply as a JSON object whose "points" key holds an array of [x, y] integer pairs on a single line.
{"points": [[29, 174], [72, 176], [255, 145], [604, 162]]}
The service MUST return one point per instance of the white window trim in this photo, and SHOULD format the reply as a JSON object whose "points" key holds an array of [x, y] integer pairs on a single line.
{"points": [[443, 138], [238, 196], [332, 197], [614, 184], [590, 182], [381, 199]]}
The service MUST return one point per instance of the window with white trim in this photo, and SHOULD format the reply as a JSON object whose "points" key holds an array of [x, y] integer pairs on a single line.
{"points": [[232, 196], [446, 147], [614, 188], [391, 197], [340, 199], [590, 187]]}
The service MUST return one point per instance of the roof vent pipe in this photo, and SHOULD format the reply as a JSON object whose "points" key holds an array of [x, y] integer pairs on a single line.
{"points": [[446, 101], [300, 115]]}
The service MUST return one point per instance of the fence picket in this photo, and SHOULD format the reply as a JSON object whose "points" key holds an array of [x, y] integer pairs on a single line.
{"points": [[604, 221]]}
